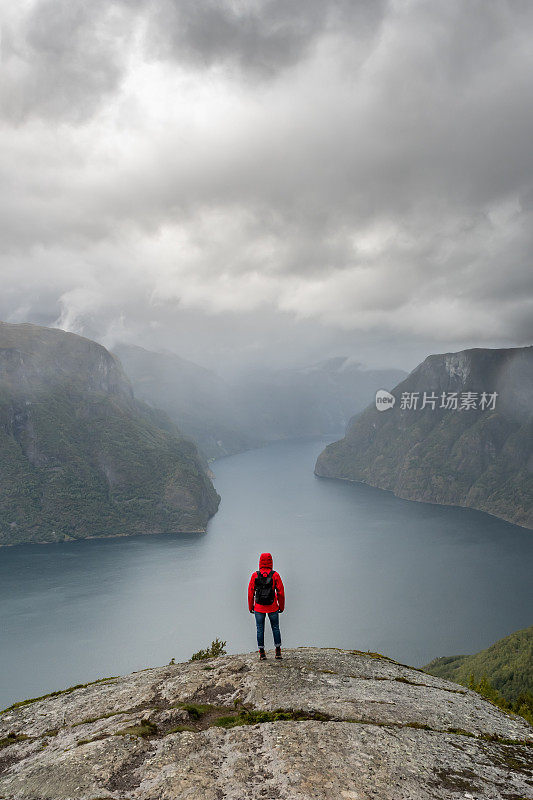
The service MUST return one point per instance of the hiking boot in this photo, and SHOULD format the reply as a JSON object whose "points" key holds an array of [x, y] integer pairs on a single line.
{"points": [[262, 654], [278, 653]]}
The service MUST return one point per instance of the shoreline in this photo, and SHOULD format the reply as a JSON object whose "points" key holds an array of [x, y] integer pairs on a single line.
{"points": [[427, 502]]}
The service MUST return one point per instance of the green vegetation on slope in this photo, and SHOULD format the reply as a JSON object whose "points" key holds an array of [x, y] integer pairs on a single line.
{"points": [[523, 705], [508, 664], [503, 672], [79, 457]]}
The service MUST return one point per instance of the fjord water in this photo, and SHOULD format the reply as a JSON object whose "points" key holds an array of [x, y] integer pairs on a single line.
{"points": [[362, 569]]}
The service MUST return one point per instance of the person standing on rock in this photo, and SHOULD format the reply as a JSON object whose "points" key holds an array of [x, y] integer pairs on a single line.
{"points": [[266, 595]]}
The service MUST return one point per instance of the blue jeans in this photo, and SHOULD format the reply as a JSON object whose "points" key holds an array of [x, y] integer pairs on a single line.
{"points": [[274, 622]]}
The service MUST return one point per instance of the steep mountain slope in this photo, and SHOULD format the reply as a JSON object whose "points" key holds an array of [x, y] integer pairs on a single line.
{"points": [[321, 724], [79, 456], [476, 457], [507, 664], [201, 404]]}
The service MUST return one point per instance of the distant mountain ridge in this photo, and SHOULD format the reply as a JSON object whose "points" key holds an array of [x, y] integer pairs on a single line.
{"points": [[200, 403], [257, 406], [313, 400], [79, 455], [474, 457]]}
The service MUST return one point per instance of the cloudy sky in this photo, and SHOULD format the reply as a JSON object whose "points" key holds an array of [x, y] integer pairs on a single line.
{"points": [[270, 179]]}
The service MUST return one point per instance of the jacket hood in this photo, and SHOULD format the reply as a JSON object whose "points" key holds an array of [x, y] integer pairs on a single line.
{"points": [[265, 561]]}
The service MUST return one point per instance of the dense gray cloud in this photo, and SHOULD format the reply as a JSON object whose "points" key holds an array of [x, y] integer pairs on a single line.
{"points": [[294, 176], [60, 59], [260, 37]]}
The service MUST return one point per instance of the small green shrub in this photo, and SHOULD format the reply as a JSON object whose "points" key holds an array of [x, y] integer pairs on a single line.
{"points": [[195, 710], [217, 649], [12, 738]]}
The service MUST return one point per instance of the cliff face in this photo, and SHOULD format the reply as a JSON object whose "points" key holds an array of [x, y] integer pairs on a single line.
{"points": [[322, 724], [79, 456], [479, 458]]}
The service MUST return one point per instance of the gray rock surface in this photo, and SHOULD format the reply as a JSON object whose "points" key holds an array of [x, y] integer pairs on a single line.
{"points": [[356, 726]]}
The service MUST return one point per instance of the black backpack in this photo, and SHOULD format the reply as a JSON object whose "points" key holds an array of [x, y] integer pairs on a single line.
{"points": [[264, 588]]}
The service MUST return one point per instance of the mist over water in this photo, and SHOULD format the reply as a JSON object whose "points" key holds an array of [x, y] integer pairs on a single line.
{"points": [[362, 569]]}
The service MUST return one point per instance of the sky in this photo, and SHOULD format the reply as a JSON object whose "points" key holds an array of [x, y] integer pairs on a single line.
{"points": [[270, 182]]}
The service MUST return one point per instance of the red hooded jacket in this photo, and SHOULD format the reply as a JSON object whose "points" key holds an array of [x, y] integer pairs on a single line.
{"points": [[265, 565]]}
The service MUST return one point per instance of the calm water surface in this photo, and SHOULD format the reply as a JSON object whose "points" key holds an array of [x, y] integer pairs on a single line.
{"points": [[361, 569]]}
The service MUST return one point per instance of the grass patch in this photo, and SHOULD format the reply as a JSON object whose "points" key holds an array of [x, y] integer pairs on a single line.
{"points": [[461, 732], [370, 653], [90, 720], [143, 730], [12, 738], [70, 689], [401, 679], [207, 716], [249, 717], [486, 737], [97, 738], [195, 710]]}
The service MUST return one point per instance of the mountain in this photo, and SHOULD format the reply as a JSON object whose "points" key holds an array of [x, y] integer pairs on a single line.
{"points": [[321, 724], [479, 457], [79, 455], [507, 664], [257, 405], [200, 402]]}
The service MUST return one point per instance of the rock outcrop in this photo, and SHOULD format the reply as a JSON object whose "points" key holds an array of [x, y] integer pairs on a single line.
{"points": [[79, 455], [321, 724], [478, 455]]}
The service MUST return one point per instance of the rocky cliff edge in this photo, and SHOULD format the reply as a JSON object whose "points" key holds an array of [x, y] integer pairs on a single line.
{"points": [[322, 723]]}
